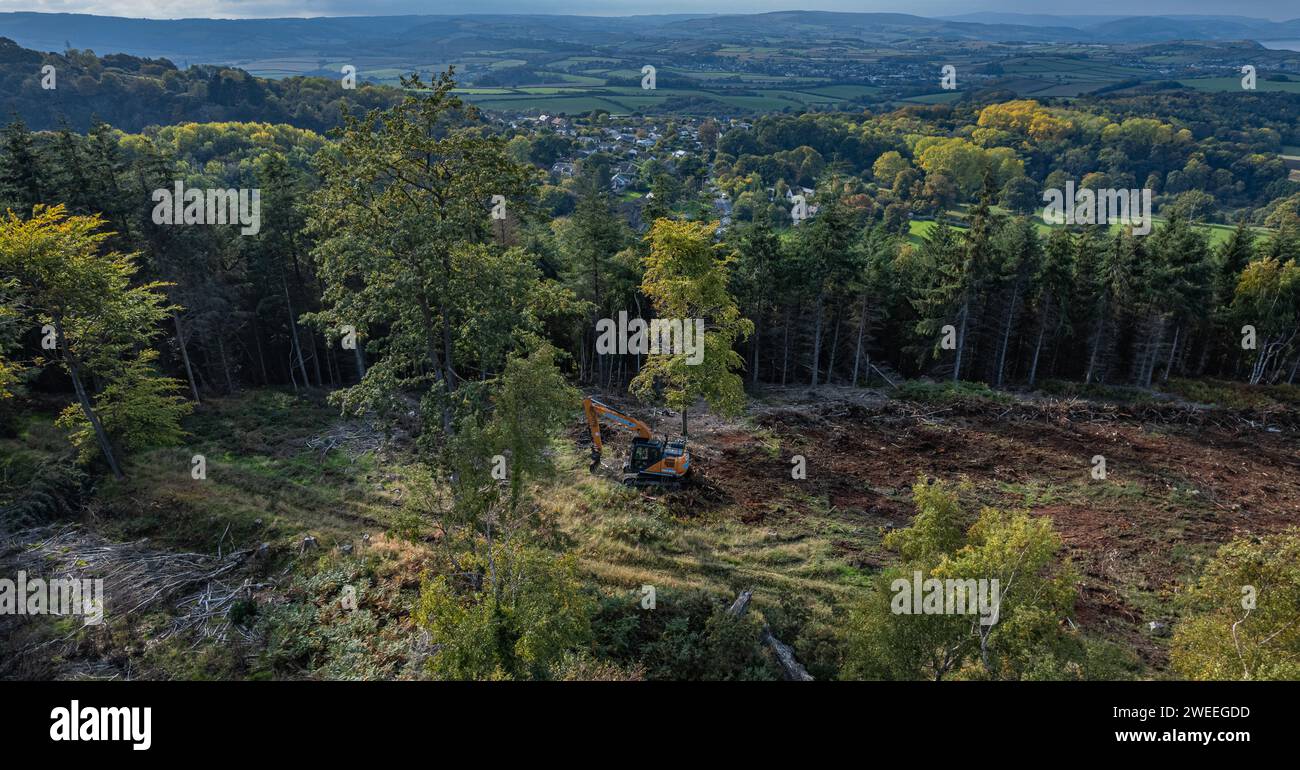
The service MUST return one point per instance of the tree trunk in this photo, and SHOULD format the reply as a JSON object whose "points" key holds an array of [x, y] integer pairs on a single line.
{"points": [[961, 337], [1006, 336], [1096, 343], [857, 350], [1149, 365], [835, 341], [261, 357], [817, 337], [74, 371], [1038, 349], [315, 360], [790, 666], [753, 364], [185, 357], [225, 365], [1173, 352], [785, 348], [293, 328]]}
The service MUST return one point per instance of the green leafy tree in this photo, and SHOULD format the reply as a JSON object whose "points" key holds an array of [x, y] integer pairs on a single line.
{"points": [[1268, 299], [532, 403], [535, 614], [139, 409], [1243, 614], [1020, 639], [60, 277], [686, 278], [403, 193]]}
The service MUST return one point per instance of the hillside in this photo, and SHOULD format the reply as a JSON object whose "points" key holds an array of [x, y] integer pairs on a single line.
{"points": [[130, 93]]}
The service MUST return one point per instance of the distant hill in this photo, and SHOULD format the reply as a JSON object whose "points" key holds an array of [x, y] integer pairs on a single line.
{"points": [[1131, 29], [436, 39], [130, 93]]}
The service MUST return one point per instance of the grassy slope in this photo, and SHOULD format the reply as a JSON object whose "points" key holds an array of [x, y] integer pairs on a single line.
{"points": [[749, 526]]}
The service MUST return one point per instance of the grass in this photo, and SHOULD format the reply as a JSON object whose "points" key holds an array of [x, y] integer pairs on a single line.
{"points": [[263, 484], [625, 539], [1236, 395], [948, 392]]}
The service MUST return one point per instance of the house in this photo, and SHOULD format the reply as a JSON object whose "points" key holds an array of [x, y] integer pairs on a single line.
{"points": [[563, 168], [620, 182]]}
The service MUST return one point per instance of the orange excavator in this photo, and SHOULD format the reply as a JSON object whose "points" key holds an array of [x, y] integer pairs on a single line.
{"points": [[652, 463]]}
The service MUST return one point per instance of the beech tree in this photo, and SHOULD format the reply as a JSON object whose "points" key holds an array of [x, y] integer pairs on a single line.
{"points": [[60, 280], [1268, 300]]}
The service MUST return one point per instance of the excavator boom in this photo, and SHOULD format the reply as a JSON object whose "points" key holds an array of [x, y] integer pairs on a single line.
{"points": [[595, 410], [651, 462]]}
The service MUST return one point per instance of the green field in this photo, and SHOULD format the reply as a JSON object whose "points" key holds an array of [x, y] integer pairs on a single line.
{"points": [[918, 229], [1234, 84]]}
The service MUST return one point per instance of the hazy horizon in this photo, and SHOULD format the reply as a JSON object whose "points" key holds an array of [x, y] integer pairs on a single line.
{"points": [[1274, 10]]}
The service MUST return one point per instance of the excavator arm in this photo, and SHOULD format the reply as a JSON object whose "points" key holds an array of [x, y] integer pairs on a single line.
{"points": [[650, 463], [596, 410]]}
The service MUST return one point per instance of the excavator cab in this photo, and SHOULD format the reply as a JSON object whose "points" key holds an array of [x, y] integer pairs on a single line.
{"points": [[644, 455], [651, 462]]}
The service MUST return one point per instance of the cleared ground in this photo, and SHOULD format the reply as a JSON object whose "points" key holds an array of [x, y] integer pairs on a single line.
{"points": [[1182, 479]]}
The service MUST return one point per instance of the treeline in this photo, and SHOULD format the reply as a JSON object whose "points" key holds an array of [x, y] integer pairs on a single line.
{"points": [[923, 160], [238, 300], [131, 93], [843, 298], [998, 302]]}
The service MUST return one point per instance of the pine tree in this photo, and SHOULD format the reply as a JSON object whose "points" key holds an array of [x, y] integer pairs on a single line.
{"points": [[22, 183], [1054, 285], [755, 277]]}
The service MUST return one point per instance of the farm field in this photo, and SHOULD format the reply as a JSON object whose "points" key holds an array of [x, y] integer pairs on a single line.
{"points": [[918, 229]]}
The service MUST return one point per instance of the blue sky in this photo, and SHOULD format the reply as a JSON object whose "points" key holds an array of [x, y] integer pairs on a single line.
{"points": [[1272, 9]]}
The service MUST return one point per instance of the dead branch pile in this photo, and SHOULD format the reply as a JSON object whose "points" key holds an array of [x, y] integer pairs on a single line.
{"points": [[1051, 410], [351, 436], [135, 577], [206, 612]]}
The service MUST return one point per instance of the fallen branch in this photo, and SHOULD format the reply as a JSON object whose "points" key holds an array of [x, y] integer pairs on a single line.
{"points": [[784, 654]]}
